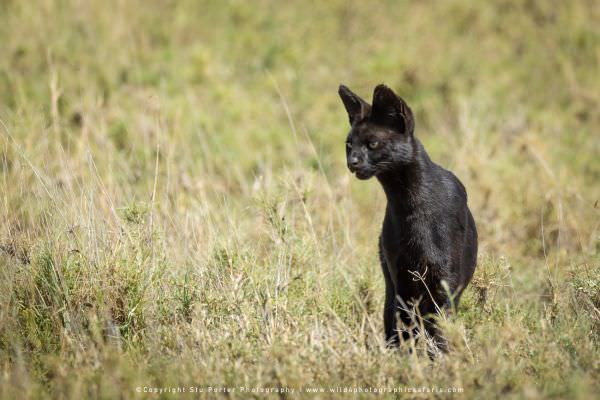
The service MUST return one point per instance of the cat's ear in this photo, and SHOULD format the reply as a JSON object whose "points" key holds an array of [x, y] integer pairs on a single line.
{"points": [[356, 107], [391, 110]]}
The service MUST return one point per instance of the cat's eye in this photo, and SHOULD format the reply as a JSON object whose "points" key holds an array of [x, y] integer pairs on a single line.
{"points": [[348, 145], [373, 144]]}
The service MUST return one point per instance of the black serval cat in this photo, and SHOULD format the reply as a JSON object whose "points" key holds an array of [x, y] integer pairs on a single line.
{"points": [[428, 243]]}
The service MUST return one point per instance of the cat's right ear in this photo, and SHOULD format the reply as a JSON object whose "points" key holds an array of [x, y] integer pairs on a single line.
{"points": [[356, 107]]}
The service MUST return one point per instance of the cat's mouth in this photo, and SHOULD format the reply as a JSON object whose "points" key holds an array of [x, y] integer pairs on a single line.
{"points": [[363, 175], [362, 172]]}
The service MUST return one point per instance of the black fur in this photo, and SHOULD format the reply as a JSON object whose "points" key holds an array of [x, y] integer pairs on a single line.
{"points": [[428, 235]]}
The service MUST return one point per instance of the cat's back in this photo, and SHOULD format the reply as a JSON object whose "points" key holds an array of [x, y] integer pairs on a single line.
{"points": [[459, 221]]}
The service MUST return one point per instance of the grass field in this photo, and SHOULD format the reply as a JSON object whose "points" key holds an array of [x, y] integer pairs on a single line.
{"points": [[176, 210]]}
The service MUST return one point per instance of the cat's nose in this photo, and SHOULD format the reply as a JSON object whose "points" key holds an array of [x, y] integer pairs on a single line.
{"points": [[353, 161]]}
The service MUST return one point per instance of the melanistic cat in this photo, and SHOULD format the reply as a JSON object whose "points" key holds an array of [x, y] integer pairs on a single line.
{"points": [[428, 243]]}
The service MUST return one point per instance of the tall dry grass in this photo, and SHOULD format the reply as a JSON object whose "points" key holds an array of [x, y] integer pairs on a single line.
{"points": [[176, 209]]}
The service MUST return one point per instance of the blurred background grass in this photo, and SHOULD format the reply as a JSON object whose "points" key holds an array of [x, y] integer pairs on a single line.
{"points": [[176, 209]]}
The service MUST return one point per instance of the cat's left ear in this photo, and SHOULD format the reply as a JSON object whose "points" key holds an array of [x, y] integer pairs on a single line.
{"points": [[391, 110]]}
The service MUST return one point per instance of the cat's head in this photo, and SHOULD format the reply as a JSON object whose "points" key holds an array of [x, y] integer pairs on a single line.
{"points": [[381, 135]]}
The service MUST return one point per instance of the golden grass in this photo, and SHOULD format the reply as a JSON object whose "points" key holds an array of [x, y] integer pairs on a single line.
{"points": [[176, 209]]}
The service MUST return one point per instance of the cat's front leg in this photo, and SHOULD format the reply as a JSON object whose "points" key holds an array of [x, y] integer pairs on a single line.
{"points": [[389, 315], [389, 309], [390, 323]]}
